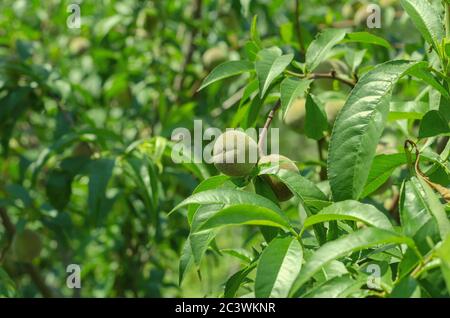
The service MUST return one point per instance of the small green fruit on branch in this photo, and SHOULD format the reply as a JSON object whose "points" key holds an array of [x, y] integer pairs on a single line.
{"points": [[263, 134], [235, 154]]}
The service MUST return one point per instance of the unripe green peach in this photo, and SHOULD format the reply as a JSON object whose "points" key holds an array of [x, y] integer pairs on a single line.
{"points": [[27, 246], [279, 188], [235, 154], [214, 56], [295, 116]]}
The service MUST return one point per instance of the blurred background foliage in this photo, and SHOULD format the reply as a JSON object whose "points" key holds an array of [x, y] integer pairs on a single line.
{"points": [[86, 115]]}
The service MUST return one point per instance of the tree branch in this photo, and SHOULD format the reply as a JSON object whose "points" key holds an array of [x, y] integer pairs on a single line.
{"points": [[263, 134], [10, 231], [38, 281], [298, 27], [181, 77], [331, 75]]}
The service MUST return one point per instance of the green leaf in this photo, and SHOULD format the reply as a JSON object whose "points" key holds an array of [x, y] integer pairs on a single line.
{"points": [[239, 208], [408, 110], [356, 241], [235, 281], [428, 232], [350, 210], [241, 254], [186, 260], [59, 188], [406, 288], [425, 75], [358, 128], [254, 34], [198, 169], [321, 46], [198, 242], [19, 195], [435, 208], [337, 287], [249, 90], [245, 214], [99, 205], [354, 59], [310, 195], [381, 170], [269, 64], [208, 184], [433, 124], [444, 254], [278, 267], [367, 38], [143, 172], [426, 20], [7, 286], [225, 70], [228, 197], [251, 50], [316, 123], [290, 90], [414, 210]]}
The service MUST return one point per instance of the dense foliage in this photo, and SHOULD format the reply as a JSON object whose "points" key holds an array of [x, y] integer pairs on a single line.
{"points": [[357, 205]]}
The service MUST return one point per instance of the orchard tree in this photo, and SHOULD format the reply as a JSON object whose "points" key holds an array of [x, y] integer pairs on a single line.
{"points": [[344, 244]]}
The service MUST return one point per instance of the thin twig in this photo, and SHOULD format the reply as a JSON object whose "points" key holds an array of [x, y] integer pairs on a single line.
{"points": [[298, 27], [38, 281], [181, 77], [263, 134], [330, 75], [10, 231]]}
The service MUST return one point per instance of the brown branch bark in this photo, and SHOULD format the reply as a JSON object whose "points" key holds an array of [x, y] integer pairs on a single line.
{"points": [[9, 229], [298, 27], [263, 134], [38, 281], [330, 75], [181, 77]]}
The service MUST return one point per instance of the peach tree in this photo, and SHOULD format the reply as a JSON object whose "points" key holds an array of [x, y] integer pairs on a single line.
{"points": [[363, 222]]}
